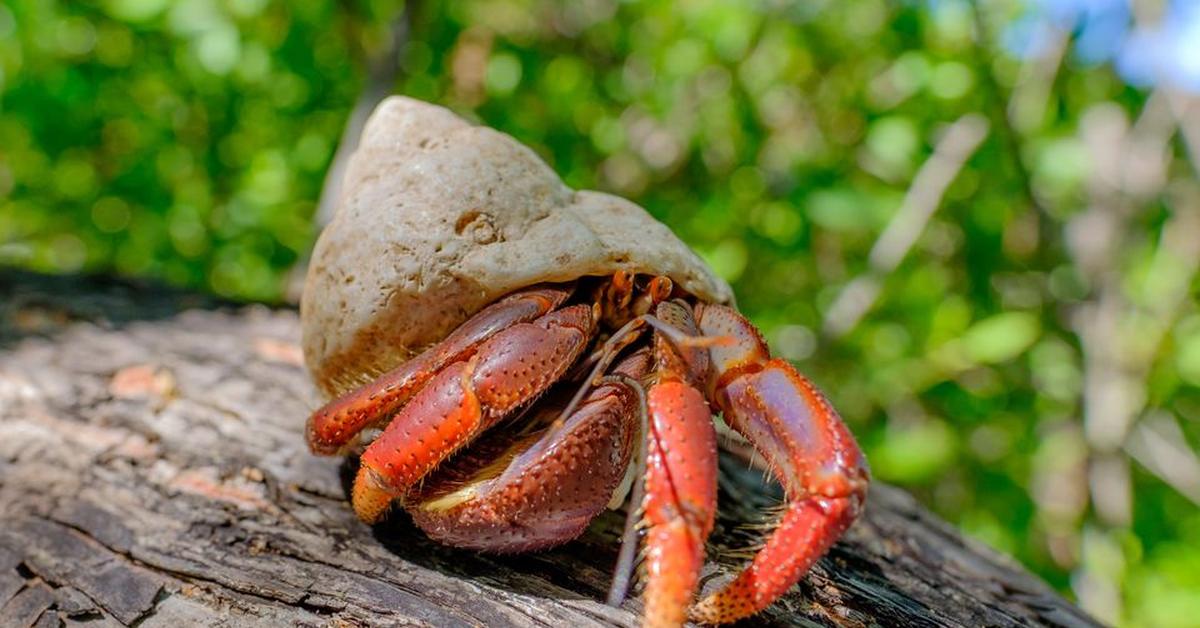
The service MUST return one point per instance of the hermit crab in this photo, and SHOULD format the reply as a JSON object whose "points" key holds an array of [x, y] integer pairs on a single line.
{"points": [[529, 350]]}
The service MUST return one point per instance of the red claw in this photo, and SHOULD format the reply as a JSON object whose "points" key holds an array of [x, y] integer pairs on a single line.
{"points": [[809, 450], [509, 369], [516, 493]]}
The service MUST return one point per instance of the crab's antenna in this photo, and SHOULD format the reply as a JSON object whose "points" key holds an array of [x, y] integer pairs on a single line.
{"points": [[623, 571], [682, 340], [622, 337]]}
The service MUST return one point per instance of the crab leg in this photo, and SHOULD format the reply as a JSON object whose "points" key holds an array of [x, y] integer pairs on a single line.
{"points": [[338, 422], [681, 498], [508, 370], [808, 449], [522, 492], [681, 476]]}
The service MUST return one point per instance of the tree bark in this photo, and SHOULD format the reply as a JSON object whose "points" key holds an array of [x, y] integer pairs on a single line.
{"points": [[153, 473]]}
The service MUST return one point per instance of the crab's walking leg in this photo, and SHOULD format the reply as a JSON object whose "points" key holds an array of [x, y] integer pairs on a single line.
{"points": [[809, 450], [681, 497], [508, 370], [339, 421]]}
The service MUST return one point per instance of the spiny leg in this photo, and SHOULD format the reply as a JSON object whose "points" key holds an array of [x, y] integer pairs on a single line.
{"points": [[623, 571], [681, 472], [338, 422], [680, 501], [508, 370], [808, 449]]}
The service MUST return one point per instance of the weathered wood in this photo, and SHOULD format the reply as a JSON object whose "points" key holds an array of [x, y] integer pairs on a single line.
{"points": [[152, 473]]}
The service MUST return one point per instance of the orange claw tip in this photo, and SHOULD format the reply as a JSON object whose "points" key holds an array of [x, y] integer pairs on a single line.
{"points": [[674, 558], [325, 435], [371, 500], [807, 530]]}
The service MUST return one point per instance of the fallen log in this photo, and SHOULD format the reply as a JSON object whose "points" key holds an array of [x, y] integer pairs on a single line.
{"points": [[153, 473]]}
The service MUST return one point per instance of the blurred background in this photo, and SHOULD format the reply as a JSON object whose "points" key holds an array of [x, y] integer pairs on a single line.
{"points": [[976, 224]]}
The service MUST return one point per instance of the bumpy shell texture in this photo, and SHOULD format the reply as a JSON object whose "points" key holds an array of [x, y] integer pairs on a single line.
{"points": [[437, 219]]}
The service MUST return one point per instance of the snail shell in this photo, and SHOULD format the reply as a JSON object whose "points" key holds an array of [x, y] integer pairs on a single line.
{"points": [[438, 218]]}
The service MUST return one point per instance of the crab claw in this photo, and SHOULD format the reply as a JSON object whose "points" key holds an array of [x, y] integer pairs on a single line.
{"points": [[539, 488], [509, 370], [809, 450]]}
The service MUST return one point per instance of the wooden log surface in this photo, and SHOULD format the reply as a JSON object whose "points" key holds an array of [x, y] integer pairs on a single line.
{"points": [[153, 473]]}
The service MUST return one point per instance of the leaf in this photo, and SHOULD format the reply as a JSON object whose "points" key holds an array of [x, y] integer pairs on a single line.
{"points": [[1002, 337]]}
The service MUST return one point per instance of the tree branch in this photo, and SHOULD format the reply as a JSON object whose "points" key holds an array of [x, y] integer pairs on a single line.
{"points": [[924, 195]]}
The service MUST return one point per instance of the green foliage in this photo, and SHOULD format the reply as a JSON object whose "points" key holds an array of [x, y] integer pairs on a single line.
{"points": [[188, 140]]}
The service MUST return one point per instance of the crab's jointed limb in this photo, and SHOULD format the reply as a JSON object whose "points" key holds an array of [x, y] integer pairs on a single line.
{"points": [[681, 499], [809, 450], [681, 474], [339, 422]]}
